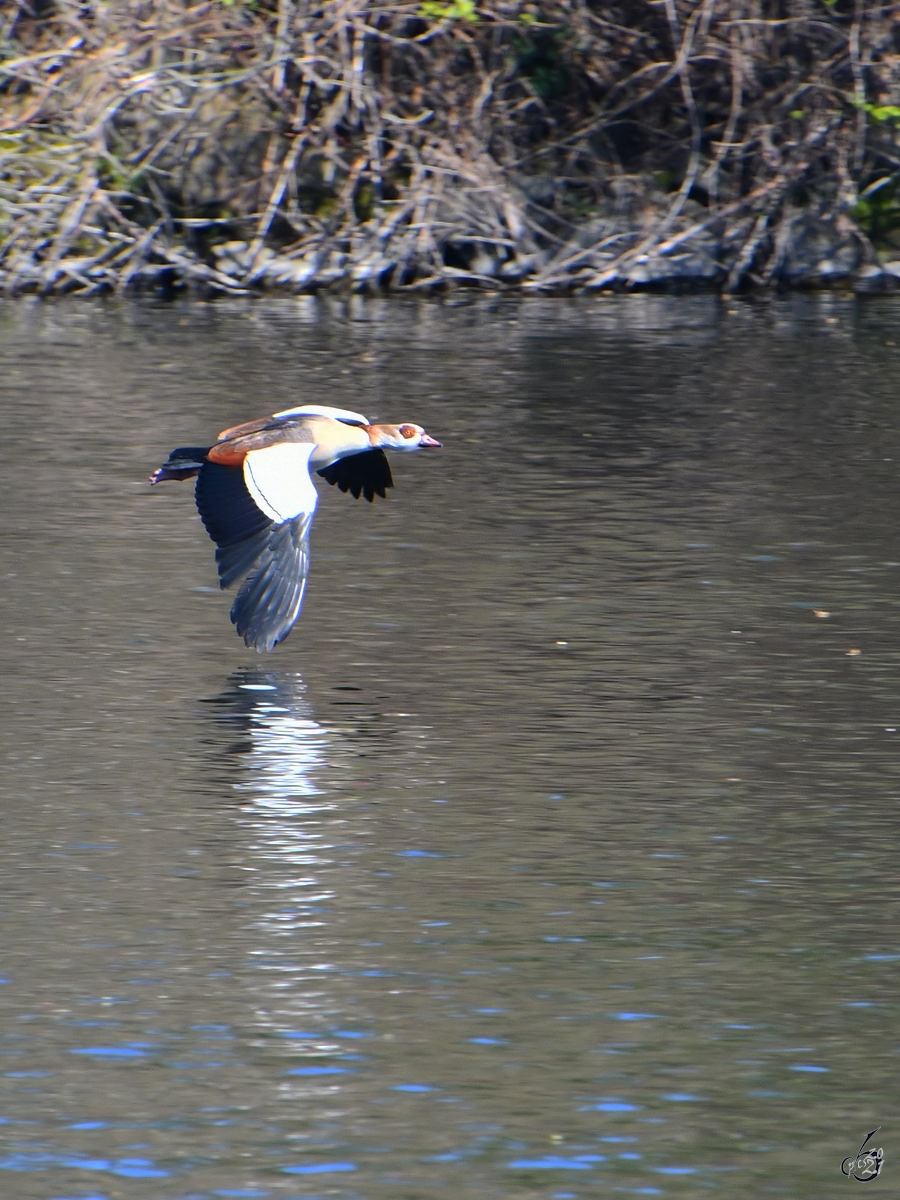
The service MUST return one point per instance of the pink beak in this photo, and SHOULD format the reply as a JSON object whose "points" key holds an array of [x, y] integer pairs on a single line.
{"points": [[425, 440]]}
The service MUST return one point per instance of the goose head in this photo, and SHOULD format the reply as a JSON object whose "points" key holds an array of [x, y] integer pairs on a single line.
{"points": [[400, 437]]}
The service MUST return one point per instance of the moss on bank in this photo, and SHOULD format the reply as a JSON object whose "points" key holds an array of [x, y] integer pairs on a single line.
{"points": [[566, 144]]}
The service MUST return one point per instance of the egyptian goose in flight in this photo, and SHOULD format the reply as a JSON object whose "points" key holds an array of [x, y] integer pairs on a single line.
{"points": [[256, 498]]}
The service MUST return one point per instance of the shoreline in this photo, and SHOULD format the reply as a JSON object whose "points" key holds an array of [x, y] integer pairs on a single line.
{"points": [[335, 272], [235, 147]]}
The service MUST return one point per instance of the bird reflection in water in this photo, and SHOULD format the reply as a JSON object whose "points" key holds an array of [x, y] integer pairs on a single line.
{"points": [[283, 755], [301, 845], [293, 829], [309, 846]]}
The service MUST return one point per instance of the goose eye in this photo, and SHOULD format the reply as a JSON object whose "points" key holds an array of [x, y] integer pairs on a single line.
{"points": [[408, 431]]}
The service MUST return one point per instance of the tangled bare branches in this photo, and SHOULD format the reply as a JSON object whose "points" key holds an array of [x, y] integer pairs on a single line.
{"points": [[365, 145]]}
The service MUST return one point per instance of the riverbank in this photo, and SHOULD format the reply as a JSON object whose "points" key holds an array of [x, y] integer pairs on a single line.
{"points": [[559, 146]]}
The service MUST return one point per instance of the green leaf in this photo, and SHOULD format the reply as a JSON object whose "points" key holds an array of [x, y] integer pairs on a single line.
{"points": [[456, 10], [882, 112]]}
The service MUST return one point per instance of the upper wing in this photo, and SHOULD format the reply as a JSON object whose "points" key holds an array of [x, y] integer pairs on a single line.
{"points": [[259, 516], [367, 474], [324, 410], [277, 419]]}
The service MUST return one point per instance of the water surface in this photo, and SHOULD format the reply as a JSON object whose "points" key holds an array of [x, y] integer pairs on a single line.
{"points": [[553, 855]]}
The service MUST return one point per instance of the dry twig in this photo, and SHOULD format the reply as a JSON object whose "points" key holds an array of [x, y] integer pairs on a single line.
{"points": [[366, 145]]}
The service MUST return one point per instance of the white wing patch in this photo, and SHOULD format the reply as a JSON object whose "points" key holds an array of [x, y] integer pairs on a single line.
{"points": [[322, 410], [278, 480]]}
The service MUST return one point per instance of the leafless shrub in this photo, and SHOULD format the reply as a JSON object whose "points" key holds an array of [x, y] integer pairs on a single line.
{"points": [[350, 143]]}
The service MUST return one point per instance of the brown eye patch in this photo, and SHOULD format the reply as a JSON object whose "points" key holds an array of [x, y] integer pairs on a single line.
{"points": [[408, 431]]}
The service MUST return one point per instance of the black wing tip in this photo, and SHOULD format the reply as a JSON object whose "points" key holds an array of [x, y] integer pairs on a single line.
{"points": [[257, 630], [260, 629], [262, 644], [365, 474], [268, 604]]}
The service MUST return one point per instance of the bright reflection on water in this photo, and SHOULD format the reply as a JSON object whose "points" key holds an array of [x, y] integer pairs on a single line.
{"points": [[553, 856]]}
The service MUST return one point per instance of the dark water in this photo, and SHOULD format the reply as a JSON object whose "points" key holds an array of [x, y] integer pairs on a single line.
{"points": [[554, 855]]}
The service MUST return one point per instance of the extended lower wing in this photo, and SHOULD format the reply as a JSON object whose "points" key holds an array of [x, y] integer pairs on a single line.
{"points": [[259, 515]]}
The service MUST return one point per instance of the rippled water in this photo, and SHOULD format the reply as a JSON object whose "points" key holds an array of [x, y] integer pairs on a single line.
{"points": [[554, 855]]}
